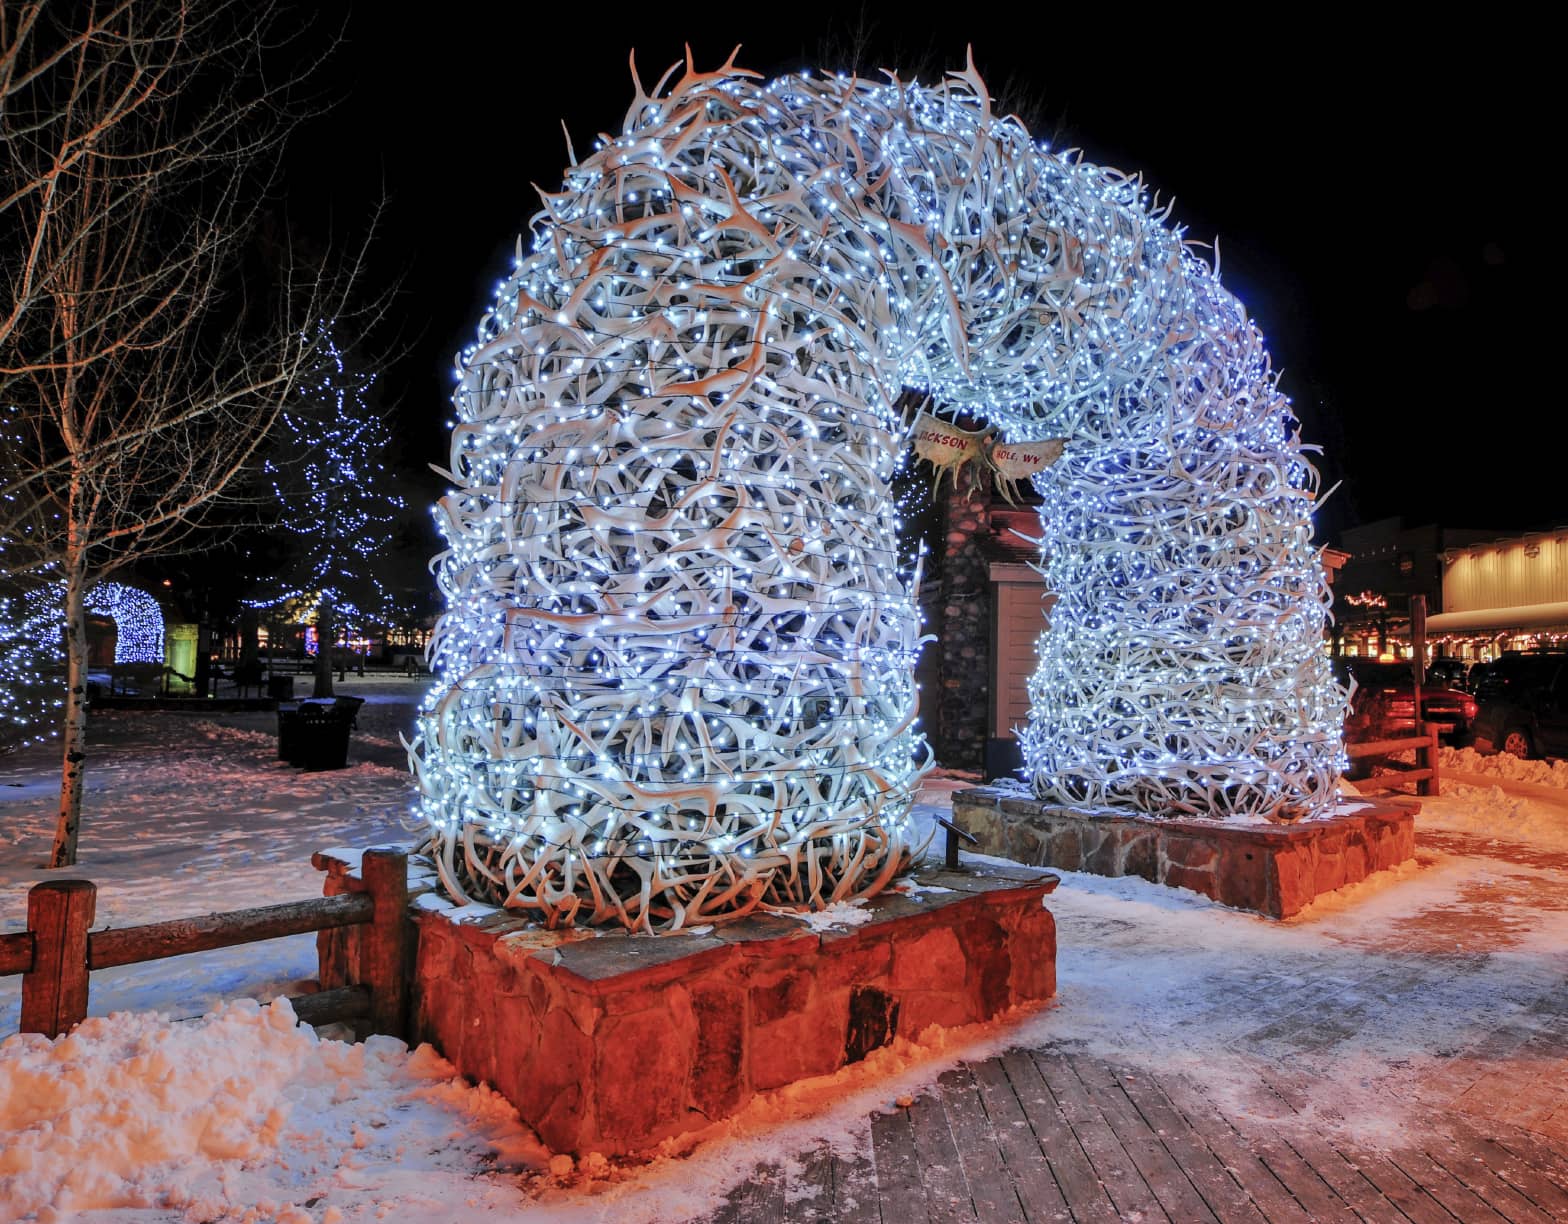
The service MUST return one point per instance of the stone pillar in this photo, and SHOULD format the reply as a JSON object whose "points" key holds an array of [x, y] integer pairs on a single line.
{"points": [[964, 626]]}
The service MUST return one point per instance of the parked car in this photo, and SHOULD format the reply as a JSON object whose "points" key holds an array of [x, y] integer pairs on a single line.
{"points": [[1524, 705], [1383, 703]]}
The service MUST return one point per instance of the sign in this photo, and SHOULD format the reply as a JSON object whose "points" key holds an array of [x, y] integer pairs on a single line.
{"points": [[1016, 460], [947, 448]]}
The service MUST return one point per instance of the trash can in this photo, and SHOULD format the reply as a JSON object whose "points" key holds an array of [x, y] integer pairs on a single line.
{"points": [[280, 688], [323, 736], [288, 730]]}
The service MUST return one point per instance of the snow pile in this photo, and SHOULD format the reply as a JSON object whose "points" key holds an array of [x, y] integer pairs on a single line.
{"points": [[239, 1110], [1492, 812], [1505, 765]]}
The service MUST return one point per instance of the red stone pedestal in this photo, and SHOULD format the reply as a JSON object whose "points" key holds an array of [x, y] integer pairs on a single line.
{"points": [[1276, 870], [612, 1042]]}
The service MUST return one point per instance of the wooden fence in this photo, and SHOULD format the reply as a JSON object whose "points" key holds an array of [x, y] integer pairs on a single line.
{"points": [[58, 952], [1423, 773]]}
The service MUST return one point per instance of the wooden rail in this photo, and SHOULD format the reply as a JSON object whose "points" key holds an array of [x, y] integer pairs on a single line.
{"points": [[58, 951], [1424, 774], [179, 936]]}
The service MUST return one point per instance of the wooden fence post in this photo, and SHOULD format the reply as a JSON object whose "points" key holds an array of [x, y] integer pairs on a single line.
{"points": [[385, 873], [1430, 785], [54, 992]]}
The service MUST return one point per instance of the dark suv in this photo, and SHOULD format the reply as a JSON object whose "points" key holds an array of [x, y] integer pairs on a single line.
{"points": [[1524, 705]]}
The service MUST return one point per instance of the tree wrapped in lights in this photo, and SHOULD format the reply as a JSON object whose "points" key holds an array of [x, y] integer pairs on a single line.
{"points": [[32, 662], [675, 673], [328, 481]]}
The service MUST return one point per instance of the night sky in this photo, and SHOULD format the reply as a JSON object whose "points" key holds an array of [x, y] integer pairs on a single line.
{"points": [[1369, 191]]}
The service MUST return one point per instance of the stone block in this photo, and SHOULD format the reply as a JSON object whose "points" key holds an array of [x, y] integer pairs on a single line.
{"points": [[788, 993], [1293, 882], [1101, 850], [1031, 955], [1357, 863], [641, 1064], [1198, 879], [933, 960], [1199, 853], [1243, 876], [873, 1021], [550, 1088], [1328, 872], [801, 1045], [1140, 855], [924, 1008], [719, 1085], [1065, 849], [853, 958]]}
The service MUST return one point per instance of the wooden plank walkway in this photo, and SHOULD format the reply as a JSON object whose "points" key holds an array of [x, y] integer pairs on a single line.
{"points": [[1050, 1132], [1056, 1135]]}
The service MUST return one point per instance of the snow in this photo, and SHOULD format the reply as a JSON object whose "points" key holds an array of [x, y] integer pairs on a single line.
{"points": [[835, 917], [241, 1115], [240, 1107], [1492, 812], [1504, 765]]}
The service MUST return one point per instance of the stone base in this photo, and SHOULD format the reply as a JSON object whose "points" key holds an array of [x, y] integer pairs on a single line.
{"points": [[1276, 870], [611, 1042]]}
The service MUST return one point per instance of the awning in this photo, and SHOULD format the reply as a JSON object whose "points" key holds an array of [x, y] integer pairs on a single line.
{"points": [[1526, 616]]}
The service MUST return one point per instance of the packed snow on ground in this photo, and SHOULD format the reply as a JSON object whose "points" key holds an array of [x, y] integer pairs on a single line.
{"points": [[242, 1116]]}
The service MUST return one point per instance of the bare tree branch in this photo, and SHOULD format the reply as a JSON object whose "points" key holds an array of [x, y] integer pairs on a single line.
{"points": [[145, 352]]}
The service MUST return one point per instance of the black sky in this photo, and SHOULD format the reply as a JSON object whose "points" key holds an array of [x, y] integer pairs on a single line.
{"points": [[1371, 191]]}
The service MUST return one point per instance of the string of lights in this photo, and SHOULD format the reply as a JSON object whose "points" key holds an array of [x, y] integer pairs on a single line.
{"points": [[32, 655], [673, 452], [138, 621], [31, 664]]}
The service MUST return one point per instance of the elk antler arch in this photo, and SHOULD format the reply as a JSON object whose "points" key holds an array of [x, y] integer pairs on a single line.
{"points": [[675, 673]]}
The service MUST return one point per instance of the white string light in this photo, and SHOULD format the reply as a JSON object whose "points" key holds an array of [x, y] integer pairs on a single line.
{"points": [[32, 653], [31, 664], [138, 621], [675, 673]]}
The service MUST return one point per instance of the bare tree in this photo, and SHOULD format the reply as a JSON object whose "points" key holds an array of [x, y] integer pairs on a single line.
{"points": [[142, 362]]}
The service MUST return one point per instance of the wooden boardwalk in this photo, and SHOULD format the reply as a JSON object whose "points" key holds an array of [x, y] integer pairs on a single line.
{"points": [[1040, 1135], [1053, 1132]]}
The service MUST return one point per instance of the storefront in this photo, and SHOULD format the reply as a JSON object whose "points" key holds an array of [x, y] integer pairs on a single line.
{"points": [[1509, 594]]}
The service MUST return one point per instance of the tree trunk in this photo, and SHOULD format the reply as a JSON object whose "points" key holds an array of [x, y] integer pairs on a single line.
{"points": [[326, 631], [250, 636], [74, 726]]}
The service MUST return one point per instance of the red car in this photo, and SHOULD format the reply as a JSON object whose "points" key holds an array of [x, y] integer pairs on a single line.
{"points": [[1383, 704]]}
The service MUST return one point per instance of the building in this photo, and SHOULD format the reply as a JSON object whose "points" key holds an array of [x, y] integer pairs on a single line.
{"points": [[1389, 562], [1503, 593]]}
